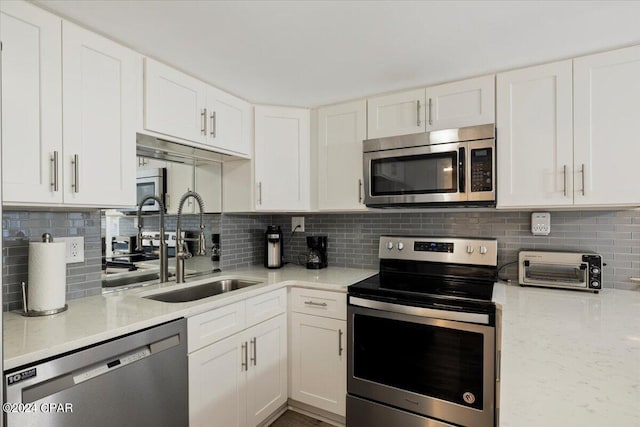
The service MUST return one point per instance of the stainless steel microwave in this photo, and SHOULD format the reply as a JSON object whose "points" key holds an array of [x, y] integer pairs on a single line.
{"points": [[445, 167], [151, 182]]}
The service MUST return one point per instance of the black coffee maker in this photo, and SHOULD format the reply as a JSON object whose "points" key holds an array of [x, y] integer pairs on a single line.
{"points": [[317, 252]]}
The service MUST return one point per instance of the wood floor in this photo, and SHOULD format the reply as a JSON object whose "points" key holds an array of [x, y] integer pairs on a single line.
{"points": [[295, 419]]}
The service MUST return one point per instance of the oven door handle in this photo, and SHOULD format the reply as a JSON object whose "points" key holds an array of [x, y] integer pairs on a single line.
{"points": [[420, 311]]}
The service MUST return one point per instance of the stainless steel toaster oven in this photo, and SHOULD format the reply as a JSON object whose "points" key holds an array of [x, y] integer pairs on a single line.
{"points": [[569, 270]]}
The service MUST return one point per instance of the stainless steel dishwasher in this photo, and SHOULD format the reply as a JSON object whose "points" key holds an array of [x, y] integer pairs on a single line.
{"points": [[134, 380]]}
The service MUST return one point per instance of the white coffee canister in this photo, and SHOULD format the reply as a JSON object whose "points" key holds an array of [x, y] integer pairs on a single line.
{"points": [[46, 289]]}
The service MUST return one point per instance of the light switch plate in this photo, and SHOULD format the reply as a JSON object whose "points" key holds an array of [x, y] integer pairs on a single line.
{"points": [[75, 248], [540, 223]]}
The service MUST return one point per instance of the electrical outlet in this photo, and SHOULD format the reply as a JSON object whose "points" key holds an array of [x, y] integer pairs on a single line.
{"points": [[297, 221], [75, 248], [540, 223]]}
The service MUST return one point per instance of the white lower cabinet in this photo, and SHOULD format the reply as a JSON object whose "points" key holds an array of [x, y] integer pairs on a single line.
{"points": [[267, 369], [318, 353], [217, 384], [319, 362], [240, 379]]}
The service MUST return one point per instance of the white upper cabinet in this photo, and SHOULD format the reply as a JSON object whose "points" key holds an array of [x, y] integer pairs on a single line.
{"points": [[69, 112], [464, 103], [396, 114], [607, 128], [174, 103], [230, 122], [208, 183], [180, 106], [282, 158], [180, 179], [31, 104], [567, 132], [534, 134], [100, 82], [341, 130]]}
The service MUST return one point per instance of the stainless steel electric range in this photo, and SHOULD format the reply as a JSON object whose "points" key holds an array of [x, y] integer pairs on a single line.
{"points": [[424, 336]]}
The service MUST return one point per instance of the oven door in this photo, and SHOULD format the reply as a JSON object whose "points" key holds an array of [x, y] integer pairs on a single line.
{"points": [[407, 357], [423, 174]]}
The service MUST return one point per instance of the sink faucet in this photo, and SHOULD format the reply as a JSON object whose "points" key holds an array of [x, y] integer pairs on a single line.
{"points": [[164, 265], [181, 254]]}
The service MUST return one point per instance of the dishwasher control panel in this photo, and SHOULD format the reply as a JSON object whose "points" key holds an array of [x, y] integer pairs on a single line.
{"points": [[103, 367]]}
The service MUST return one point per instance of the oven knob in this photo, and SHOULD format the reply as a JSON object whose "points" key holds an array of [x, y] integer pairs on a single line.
{"points": [[389, 245], [469, 249], [483, 250], [595, 284], [400, 246], [595, 270]]}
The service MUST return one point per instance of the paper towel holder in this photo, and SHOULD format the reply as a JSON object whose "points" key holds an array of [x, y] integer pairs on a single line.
{"points": [[32, 313], [46, 238]]}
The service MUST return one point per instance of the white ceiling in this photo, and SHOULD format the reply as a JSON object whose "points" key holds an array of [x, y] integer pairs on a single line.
{"points": [[310, 53]]}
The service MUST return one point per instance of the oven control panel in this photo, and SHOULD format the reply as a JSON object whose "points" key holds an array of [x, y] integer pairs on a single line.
{"points": [[440, 249], [422, 246]]}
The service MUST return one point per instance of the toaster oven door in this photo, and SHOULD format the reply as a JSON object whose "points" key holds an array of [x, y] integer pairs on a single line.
{"points": [[555, 275]]}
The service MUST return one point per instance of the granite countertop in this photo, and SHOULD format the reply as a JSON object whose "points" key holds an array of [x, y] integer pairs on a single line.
{"points": [[570, 358]]}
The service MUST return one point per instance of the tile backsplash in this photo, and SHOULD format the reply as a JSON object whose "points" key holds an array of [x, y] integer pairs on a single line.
{"points": [[20, 227], [352, 239]]}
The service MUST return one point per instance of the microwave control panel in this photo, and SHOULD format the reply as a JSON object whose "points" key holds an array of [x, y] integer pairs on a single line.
{"points": [[482, 169]]}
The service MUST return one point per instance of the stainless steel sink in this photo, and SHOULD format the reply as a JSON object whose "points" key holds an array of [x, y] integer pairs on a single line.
{"points": [[205, 290]]}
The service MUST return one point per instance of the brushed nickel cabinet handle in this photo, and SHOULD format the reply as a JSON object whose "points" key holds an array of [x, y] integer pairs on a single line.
{"points": [[582, 171], [317, 304], [359, 191], [418, 113], [564, 171], [430, 108], [213, 124], [244, 365], [255, 352], [203, 121], [340, 342], [76, 173], [54, 166], [260, 192]]}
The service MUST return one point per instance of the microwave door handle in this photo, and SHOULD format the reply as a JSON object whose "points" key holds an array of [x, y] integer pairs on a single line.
{"points": [[461, 169]]}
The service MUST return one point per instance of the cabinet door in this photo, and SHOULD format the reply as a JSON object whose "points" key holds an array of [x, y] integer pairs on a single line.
{"points": [[31, 104], [149, 163], [534, 134], [230, 119], [217, 389], [267, 374], [341, 130], [180, 179], [208, 183], [174, 103], [606, 127], [319, 362], [396, 114], [282, 158], [99, 119], [464, 103]]}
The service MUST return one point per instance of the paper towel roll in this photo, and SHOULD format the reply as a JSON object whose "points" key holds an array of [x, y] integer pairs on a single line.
{"points": [[46, 289]]}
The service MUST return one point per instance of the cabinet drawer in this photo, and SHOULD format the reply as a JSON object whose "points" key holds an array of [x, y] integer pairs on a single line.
{"points": [[319, 303], [215, 325], [266, 306]]}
